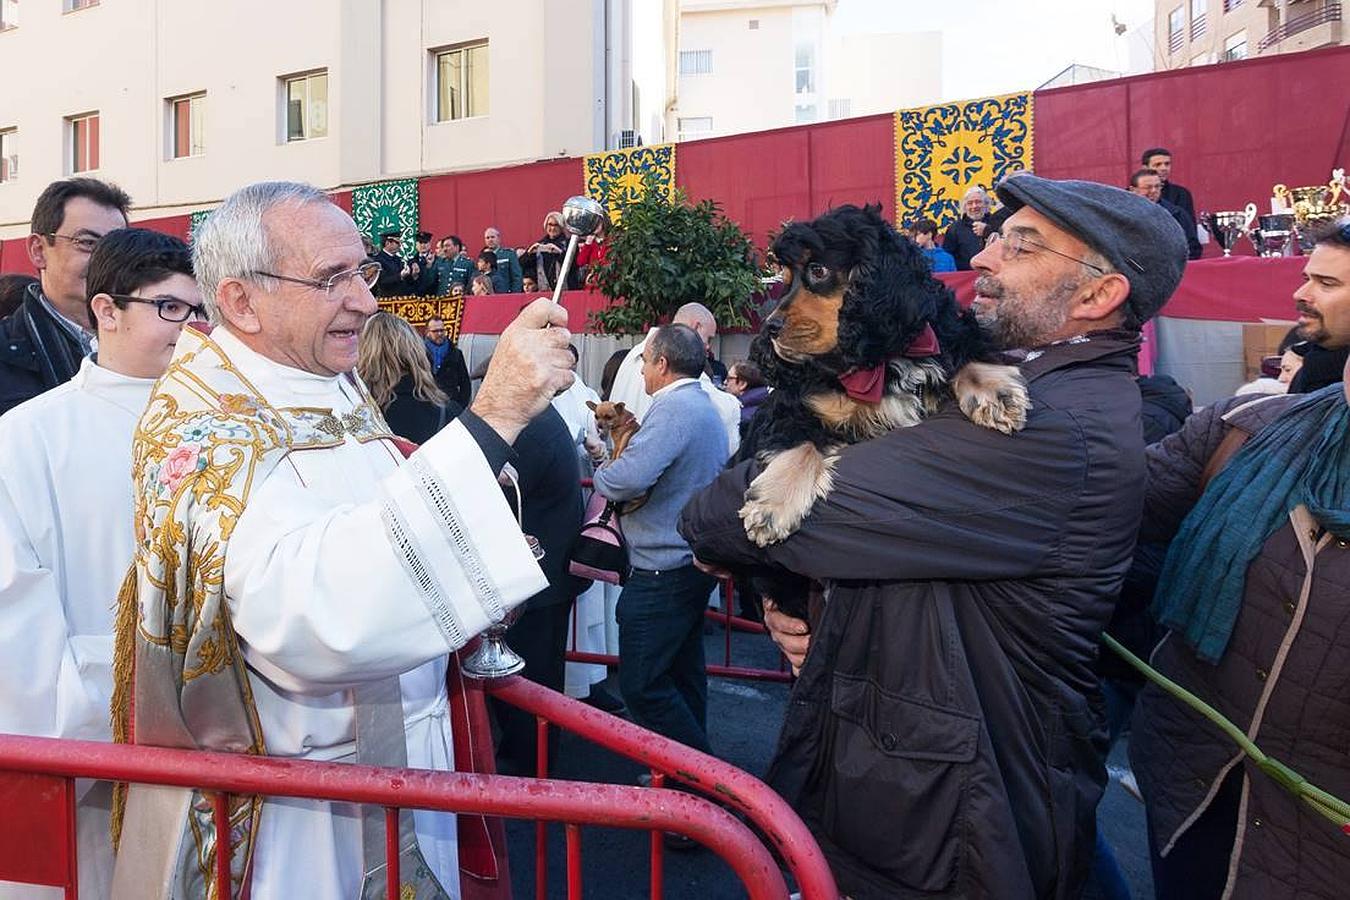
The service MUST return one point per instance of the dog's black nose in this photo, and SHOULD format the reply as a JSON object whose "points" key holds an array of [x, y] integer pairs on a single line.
{"points": [[773, 325]]}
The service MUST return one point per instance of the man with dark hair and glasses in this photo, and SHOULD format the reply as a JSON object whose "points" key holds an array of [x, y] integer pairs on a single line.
{"points": [[951, 677], [43, 341], [66, 535]]}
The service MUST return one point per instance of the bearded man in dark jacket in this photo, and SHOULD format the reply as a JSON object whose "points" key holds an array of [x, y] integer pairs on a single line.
{"points": [[946, 736]]}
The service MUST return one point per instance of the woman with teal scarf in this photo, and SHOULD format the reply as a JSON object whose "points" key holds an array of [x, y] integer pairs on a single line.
{"points": [[1256, 594]]}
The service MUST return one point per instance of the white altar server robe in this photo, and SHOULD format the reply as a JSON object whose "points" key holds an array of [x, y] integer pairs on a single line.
{"points": [[66, 543]]}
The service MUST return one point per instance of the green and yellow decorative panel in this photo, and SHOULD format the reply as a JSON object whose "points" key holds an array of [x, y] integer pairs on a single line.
{"points": [[942, 151], [420, 310], [387, 206], [617, 177], [195, 221]]}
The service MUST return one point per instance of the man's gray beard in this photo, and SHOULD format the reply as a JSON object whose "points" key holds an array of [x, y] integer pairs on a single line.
{"points": [[1023, 325]]}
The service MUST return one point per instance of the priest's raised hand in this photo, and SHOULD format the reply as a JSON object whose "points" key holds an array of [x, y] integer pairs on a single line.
{"points": [[530, 366]]}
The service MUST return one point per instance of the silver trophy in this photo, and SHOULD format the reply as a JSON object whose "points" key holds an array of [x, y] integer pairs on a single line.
{"points": [[1227, 227], [581, 216], [1274, 234]]}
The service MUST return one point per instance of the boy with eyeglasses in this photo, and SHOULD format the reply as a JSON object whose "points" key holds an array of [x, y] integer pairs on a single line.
{"points": [[43, 341], [66, 538]]}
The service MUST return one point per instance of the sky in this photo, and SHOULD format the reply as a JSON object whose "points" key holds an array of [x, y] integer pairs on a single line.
{"points": [[998, 46]]}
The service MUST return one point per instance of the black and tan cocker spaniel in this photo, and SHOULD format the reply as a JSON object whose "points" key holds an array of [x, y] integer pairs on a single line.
{"points": [[864, 340]]}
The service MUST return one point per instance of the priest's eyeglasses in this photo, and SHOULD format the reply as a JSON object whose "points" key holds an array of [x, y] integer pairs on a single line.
{"points": [[171, 309], [369, 273], [1015, 243]]}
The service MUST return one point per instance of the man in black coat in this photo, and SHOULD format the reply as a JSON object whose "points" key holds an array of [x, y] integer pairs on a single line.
{"points": [[1159, 159], [43, 341], [447, 363], [395, 274], [548, 476], [946, 735], [965, 237], [1147, 183]]}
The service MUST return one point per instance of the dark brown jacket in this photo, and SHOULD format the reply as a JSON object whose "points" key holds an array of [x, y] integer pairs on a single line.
{"points": [[945, 738], [1284, 679]]}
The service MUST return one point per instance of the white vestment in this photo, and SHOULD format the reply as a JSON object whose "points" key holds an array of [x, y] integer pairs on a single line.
{"points": [[322, 597], [65, 545], [629, 388]]}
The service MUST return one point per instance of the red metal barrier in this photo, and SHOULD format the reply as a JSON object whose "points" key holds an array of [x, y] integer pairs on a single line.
{"points": [[23, 758], [720, 780]]}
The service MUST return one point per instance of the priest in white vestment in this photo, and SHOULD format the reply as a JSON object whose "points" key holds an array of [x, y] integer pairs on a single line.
{"points": [[65, 519], [344, 567]]}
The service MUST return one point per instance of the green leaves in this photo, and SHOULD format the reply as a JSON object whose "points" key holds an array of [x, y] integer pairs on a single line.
{"points": [[668, 253]]}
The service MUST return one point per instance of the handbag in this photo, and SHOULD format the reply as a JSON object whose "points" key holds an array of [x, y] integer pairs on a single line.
{"points": [[599, 551]]}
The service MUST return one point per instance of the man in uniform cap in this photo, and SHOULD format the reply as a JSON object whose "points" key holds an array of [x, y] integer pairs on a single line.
{"points": [[946, 734]]}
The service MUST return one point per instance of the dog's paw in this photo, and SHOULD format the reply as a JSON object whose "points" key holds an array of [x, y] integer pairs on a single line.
{"points": [[782, 495], [992, 396]]}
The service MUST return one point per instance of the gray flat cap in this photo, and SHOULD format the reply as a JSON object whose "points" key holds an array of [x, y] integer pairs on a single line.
{"points": [[1139, 237]]}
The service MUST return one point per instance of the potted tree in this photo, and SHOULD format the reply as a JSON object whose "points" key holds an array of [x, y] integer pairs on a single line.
{"points": [[669, 252]]}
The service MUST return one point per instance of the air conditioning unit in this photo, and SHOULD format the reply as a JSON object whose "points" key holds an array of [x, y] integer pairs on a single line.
{"points": [[629, 138]]}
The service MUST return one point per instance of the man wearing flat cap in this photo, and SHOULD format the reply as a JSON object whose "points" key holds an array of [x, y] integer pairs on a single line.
{"points": [[946, 735]]}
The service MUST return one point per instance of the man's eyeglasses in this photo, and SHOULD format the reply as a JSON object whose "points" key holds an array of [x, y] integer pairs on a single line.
{"points": [[171, 309], [85, 243], [367, 273], [1016, 243]]}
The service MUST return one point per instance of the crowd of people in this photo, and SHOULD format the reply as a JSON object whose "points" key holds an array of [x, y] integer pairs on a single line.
{"points": [[444, 268], [323, 505]]}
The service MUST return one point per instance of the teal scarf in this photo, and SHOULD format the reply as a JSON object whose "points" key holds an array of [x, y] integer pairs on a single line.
{"points": [[1303, 457]]}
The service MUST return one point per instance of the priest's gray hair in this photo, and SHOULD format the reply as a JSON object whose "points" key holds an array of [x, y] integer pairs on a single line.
{"points": [[233, 241]]}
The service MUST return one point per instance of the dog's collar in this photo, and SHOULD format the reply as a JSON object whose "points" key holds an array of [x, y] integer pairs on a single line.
{"points": [[868, 385]]}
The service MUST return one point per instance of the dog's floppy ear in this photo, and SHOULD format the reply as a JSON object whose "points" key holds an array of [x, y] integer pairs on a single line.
{"points": [[618, 407], [590, 404], [890, 294]]}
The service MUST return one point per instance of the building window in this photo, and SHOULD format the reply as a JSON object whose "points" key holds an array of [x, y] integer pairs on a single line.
{"points": [[695, 62], [9, 154], [9, 14], [1176, 29], [1235, 47], [462, 82], [1198, 18], [695, 127], [82, 138], [187, 122], [306, 106], [806, 69], [754, 24], [841, 109], [805, 112], [73, 5], [1230, 5]]}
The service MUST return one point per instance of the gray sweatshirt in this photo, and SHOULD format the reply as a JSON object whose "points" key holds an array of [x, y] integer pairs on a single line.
{"points": [[679, 450]]}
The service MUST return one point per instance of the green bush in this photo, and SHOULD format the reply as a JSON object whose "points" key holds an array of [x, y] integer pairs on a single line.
{"points": [[667, 253]]}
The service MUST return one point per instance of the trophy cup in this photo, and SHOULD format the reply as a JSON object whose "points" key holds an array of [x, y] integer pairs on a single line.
{"points": [[1251, 226], [1274, 234], [1226, 227]]}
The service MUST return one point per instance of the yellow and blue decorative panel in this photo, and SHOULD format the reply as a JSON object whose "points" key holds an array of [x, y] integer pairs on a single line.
{"points": [[417, 311], [616, 178], [942, 151], [386, 206]]}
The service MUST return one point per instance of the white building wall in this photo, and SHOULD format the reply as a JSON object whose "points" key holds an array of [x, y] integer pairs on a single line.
{"points": [[547, 90]]}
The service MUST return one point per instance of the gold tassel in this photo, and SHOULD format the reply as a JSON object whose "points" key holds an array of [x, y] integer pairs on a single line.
{"points": [[124, 676]]}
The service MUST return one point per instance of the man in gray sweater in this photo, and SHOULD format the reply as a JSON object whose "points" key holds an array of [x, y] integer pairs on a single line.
{"points": [[679, 450]]}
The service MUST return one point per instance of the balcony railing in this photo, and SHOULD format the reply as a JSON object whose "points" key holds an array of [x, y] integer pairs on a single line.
{"points": [[1330, 12], [1198, 26], [1175, 40]]}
